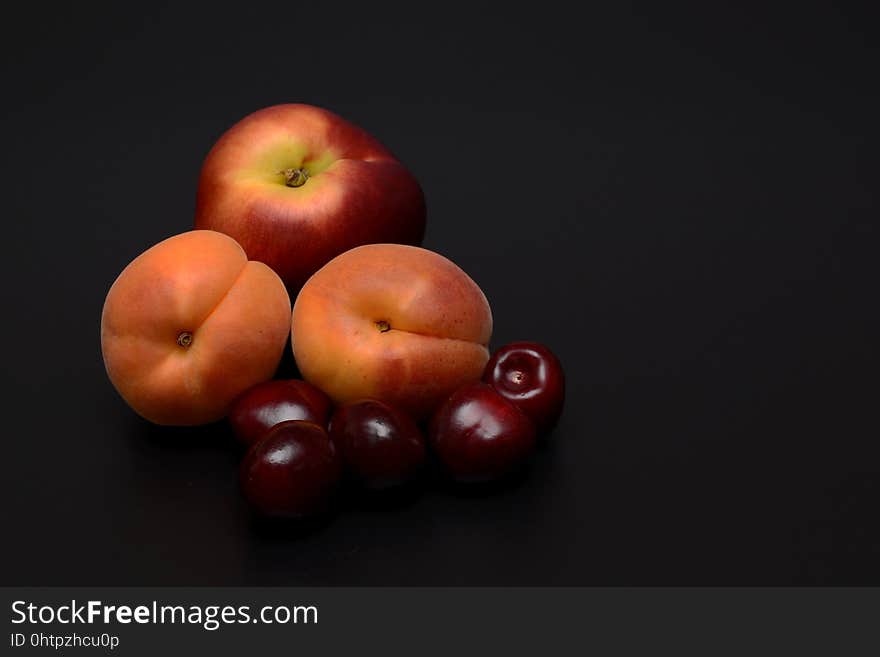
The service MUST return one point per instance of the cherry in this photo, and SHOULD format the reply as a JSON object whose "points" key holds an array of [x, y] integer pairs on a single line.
{"points": [[266, 404], [381, 445], [480, 435], [530, 376], [292, 472]]}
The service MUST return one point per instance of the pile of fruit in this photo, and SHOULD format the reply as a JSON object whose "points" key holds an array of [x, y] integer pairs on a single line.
{"points": [[391, 339]]}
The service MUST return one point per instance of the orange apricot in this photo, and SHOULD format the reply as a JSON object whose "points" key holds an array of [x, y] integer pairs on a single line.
{"points": [[189, 325]]}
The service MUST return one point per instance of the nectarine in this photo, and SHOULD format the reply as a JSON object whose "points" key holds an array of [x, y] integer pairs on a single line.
{"points": [[297, 185], [189, 325], [396, 323]]}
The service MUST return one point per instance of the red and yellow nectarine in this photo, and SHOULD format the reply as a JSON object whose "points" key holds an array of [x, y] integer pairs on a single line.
{"points": [[297, 185]]}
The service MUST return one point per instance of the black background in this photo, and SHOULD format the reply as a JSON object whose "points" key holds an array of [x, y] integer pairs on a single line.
{"points": [[681, 203]]}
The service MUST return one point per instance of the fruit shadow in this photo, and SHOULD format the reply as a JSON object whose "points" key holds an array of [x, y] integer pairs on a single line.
{"points": [[289, 529], [481, 489], [287, 368], [355, 497], [216, 434], [352, 496]]}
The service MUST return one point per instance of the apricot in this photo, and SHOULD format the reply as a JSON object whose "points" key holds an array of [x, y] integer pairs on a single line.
{"points": [[396, 323], [189, 325]]}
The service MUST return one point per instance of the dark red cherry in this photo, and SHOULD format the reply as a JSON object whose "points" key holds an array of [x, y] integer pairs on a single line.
{"points": [[292, 472], [530, 376], [260, 408], [479, 435], [381, 445]]}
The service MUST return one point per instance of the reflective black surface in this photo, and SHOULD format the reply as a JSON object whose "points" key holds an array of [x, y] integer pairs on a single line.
{"points": [[681, 204]]}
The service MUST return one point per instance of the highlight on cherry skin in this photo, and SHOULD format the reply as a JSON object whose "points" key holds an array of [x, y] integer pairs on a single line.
{"points": [[381, 445]]}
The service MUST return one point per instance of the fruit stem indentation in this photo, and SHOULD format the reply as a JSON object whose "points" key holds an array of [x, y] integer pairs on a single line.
{"points": [[185, 339], [383, 326], [295, 177]]}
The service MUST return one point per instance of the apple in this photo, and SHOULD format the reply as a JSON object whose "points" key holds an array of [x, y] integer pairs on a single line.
{"points": [[530, 376], [396, 323], [266, 404], [480, 435], [381, 445], [296, 185], [292, 472]]}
